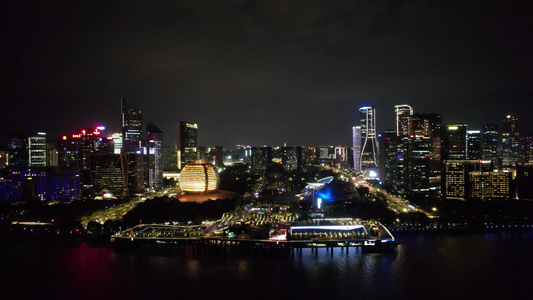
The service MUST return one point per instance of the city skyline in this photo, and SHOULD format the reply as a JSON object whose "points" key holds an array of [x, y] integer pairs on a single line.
{"points": [[294, 73]]}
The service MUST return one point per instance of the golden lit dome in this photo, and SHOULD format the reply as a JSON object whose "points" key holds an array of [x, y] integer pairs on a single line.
{"points": [[198, 177]]}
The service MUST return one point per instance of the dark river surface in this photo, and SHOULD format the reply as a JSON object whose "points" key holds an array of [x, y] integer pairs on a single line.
{"points": [[461, 266]]}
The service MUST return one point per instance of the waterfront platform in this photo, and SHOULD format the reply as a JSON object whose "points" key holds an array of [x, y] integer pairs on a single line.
{"points": [[357, 235]]}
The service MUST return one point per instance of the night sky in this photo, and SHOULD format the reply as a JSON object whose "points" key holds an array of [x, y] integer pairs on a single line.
{"points": [[262, 72]]}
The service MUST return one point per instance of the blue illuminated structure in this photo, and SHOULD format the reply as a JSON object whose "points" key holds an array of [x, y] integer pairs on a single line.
{"points": [[40, 185]]}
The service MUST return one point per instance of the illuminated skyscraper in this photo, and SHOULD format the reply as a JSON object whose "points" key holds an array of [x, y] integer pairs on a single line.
{"points": [[117, 142], [155, 152], [292, 159], [369, 143], [474, 144], [261, 160], [489, 143], [510, 141], [52, 153], [74, 150], [412, 172], [170, 159], [37, 150], [526, 149], [132, 128], [356, 131], [188, 143], [474, 179], [120, 174], [388, 157], [17, 151], [455, 145], [403, 112], [429, 125], [456, 177]]}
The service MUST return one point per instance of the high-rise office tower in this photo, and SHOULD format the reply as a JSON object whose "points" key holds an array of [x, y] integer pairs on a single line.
{"points": [[356, 135], [416, 163], [489, 185], [155, 152], [369, 144], [120, 174], [37, 150], [52, 152], [403, 112], [17, 151], [188, 143], [388, 157], [489, 143], [132, 128], [474, 144], [474, 179], [430, 125], [455, 176], [74, 150], [455, 144], [292, 159], [526, 149], [309, 156], [170, 159], [117, 142], [425, 124], [510, 141], [412, 172], [261, 160]]}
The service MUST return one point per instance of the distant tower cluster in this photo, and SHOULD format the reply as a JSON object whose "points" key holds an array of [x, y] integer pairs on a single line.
{"points": [[423, 156]]}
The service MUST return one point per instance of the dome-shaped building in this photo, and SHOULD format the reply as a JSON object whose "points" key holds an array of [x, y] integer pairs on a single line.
{"points": [[198, 177]]}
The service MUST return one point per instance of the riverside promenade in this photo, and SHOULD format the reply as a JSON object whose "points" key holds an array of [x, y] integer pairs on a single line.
{"points": [[294, 238]]}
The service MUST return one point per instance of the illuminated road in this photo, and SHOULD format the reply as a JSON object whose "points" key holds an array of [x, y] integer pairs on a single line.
{"points": [[113, 213], [396, 204], [118, 211]]}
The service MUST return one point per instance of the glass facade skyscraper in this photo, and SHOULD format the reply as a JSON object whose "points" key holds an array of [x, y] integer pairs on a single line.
{"points": [[155, 152], [510, 141], [403, 112], [356, 135], [37, 150], [455, 143], [369, 144], [132, 128], [188, 143], [489, 142]]}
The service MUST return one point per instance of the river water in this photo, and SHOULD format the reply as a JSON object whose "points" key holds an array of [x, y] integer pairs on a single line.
{"points": [[475, 266]]}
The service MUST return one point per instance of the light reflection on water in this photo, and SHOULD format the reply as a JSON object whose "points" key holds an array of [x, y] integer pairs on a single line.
{"points": [[423, 267]]}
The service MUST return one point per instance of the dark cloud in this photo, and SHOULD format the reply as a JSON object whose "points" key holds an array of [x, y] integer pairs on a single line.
{"points": [[262, 72]]}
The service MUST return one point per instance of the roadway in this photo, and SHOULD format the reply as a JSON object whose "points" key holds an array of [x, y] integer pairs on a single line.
{"points": [[397, 204], [116, 212]]}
